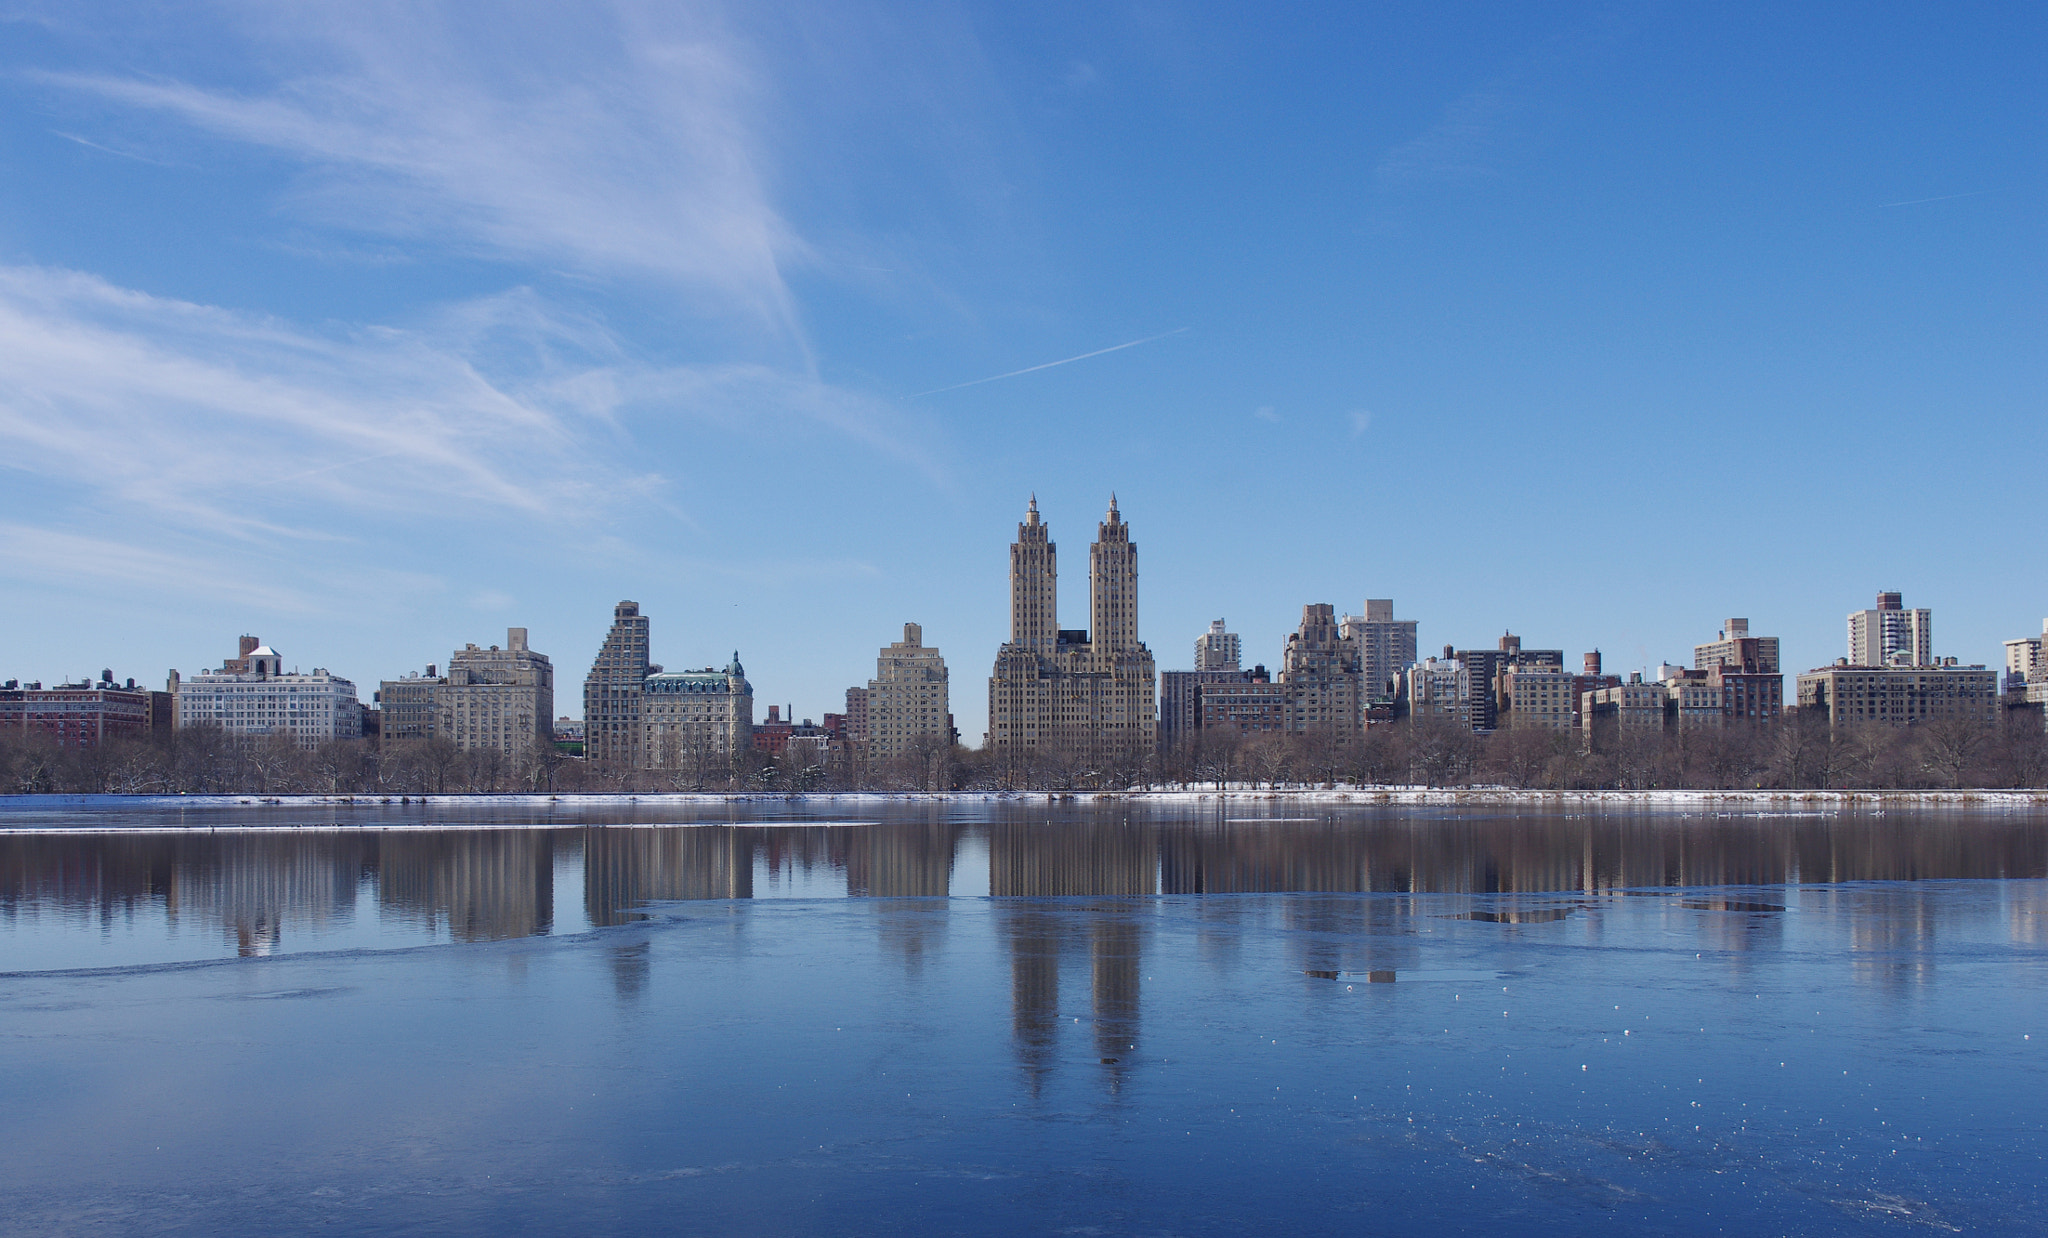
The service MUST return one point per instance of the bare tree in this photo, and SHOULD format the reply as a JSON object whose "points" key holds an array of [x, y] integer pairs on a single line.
{"points": [[1950, 748], [1442, 750]]}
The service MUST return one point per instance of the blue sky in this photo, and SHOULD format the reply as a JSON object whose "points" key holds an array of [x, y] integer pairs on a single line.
{"points": [[376, 328]]}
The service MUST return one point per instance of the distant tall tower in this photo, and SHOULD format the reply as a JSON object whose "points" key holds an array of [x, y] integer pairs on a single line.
{"points": [[612, 728], [1088, 696], [1890, 634], [1386, 645], [1113, 586], [1217, 649], [1034, 584]]}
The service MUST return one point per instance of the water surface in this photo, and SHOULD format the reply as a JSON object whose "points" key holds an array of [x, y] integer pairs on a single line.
{"points": [[1004, 1018]]}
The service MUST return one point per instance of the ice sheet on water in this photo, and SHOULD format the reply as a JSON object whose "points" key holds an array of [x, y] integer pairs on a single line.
{"points": [[994, 1065]]}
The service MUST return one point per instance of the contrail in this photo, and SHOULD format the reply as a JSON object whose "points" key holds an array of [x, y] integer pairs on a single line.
{"points": [[325, 468], [1033, 369], [125, 154], [1947, 197]]}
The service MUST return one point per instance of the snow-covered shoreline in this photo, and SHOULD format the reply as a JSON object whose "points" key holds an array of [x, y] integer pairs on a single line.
{"points": [[1346, 797]]}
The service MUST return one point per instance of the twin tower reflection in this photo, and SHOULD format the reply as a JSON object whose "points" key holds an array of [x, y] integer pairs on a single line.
{"points": [[493, 884]]}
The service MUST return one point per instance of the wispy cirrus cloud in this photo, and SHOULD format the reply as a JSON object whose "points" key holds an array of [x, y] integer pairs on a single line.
{"points": [[623, 144], [254, 428], [179, 410], [81, 561], [1460, 147]]}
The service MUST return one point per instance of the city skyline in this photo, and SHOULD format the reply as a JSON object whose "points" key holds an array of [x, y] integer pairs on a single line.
{"points": [[372, 334], [1321, 679]]}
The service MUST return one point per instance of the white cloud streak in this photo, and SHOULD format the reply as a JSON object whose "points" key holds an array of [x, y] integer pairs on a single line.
{"points": [[254, 429], [97, 564], [621, 144], [177, 408]]}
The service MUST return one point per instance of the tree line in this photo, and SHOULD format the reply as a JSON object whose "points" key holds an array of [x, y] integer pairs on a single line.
{"points": [[1799, 752]]}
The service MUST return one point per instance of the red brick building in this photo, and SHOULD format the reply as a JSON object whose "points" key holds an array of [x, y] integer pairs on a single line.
{"points": [[80, 715]]}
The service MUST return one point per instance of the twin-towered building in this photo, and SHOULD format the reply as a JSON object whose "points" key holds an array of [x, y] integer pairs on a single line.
{"points": [[1083, 694]]}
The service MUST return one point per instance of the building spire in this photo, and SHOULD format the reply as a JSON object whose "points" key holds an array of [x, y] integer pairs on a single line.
{"points": [[1031, 513]]}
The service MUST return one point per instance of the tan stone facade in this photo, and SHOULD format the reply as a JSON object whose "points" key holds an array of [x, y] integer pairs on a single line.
{"points": [[635, 714], [1092, 694], [1321, 671], [907, 703], [1438, 689], [696, 720], [1900, 695], [1540, 697], [497, 700]]}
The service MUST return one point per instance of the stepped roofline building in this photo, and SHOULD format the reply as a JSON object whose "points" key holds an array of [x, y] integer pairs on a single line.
{"points": [[907, 706], [639, 715], [1091, 694]]}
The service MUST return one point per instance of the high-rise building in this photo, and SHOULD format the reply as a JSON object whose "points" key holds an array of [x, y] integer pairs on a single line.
{"points": [[1320, 668], [498, 700], [1736, 649], [857, 715], [1488, 669], [1629, 707], [1543, 697], [1180, 707], [2023, 661], [907, 700], [1736, 669], [612, 724], [1217, 649], [1891, 635], [1692, 698], [1248, 702], [1758, 697], [1386, 646], [1217, 654], [262, 698], [1089, 694], [637, 714]]}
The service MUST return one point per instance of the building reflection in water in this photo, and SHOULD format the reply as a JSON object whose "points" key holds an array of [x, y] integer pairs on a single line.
{"points": [[626, 867], [905, 859], [1032, 860], [631, 966], [1033, 936], [1891, 934], [254, 888], [1114, 956], [2026, 914], [249, 888], [901, 859], [483, 885]]}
